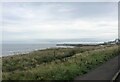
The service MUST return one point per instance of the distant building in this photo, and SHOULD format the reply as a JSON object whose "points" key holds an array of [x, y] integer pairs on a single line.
{"points": [[116, 41]]}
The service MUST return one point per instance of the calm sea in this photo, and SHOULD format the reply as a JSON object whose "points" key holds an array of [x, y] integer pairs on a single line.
{"points": [[11, 49]]}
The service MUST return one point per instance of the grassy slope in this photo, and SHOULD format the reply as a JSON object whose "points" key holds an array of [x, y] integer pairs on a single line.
{"points": [[22, 62], [56, 64]]}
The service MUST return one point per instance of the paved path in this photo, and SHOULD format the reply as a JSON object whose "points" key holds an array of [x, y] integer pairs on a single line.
{"points": [[104, 72]]}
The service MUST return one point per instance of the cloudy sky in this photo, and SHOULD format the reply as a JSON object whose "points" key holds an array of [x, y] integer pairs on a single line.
{"points": [[59, 21]]}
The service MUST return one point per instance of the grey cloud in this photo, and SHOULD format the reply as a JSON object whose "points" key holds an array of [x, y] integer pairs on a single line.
{"points": [[64, 11]]}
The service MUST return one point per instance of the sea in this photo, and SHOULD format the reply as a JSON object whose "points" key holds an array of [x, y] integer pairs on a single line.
{"points": [[15, 49]]}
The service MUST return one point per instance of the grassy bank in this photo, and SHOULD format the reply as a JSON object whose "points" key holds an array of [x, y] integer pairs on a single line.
{"points": [[56, 64]]}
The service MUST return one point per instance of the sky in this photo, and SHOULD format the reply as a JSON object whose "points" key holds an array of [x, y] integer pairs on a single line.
{"points": [[34, 22]]}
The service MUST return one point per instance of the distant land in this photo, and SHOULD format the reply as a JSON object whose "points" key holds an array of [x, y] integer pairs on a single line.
{"points": [[55, 41], [116, 41]]}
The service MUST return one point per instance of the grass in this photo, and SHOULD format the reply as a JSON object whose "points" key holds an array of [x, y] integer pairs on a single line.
{"points": [[56, 64], [23, 61]]}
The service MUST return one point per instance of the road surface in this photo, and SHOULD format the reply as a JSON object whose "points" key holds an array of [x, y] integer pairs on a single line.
{"points": [[104, 72]]}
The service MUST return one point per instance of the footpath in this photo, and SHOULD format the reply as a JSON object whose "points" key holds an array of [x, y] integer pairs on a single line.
{"points": [[107, 71]]}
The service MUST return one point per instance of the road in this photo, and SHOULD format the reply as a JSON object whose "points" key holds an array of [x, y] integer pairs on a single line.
{"points": [[104, 72]]}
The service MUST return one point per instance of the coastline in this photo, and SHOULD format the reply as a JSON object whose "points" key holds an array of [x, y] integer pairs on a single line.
{"points": [[27, 52], [62, 63]]}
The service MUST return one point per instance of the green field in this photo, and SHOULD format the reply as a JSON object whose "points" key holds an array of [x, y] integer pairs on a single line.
{"points": [[56, 63]]}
